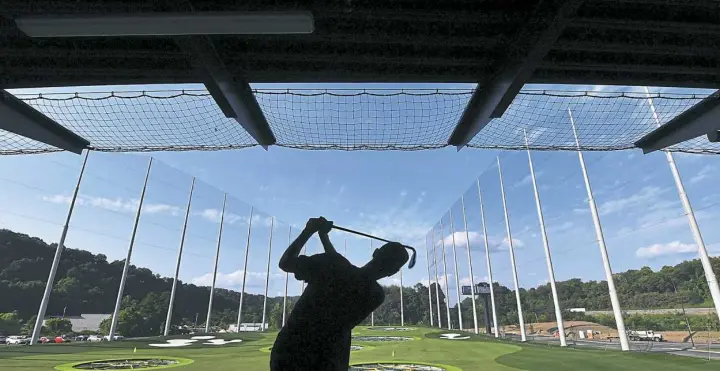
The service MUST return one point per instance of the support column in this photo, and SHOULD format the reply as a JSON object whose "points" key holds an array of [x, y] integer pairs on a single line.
{"points": [[447, 289], [215, 268], [487, 260], [692, 221], [247, 254], [126, 265], [430, 303], [457, 278], [546, 246], [372, 315], [617, 311], [267, 275], [402, 302], [168, 319], [286, 281], [470, 267], [56, 260], [521, 320], [437, 281]]}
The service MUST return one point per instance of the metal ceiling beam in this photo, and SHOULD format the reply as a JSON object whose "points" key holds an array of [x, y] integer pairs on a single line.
{"points": [[491, 99], [234, 96], [701, 119], [20, 118]]}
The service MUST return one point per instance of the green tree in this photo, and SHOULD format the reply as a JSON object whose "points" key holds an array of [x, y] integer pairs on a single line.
{"points": [[10, 324], [58, 326]]}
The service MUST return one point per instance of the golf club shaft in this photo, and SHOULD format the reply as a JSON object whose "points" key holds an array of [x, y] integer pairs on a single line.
{"points": [[360, 233]]}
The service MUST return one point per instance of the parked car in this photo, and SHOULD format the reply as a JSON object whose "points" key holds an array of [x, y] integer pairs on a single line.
{"points": [[17, 340], [45, 340], [116, 337], [2, 340], [95, 338], [81, 338]]}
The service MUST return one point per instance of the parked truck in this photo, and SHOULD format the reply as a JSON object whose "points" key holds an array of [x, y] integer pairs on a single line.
{"points": [[649, 335]]}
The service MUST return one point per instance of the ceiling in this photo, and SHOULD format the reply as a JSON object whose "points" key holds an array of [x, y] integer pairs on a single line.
{"points": [[622, 42]]}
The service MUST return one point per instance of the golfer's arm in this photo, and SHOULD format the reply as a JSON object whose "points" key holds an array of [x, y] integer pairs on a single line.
{"points": [[327, 245], [289, 258]]}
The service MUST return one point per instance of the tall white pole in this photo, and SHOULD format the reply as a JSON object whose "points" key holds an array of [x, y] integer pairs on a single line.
{"points": [[267, 274], [247, 254], [521, 320], [286, 281], [56, 260], [470, 267], [372, 315], [168, 319], [487, 261], [430, 303], [437, 280], [702, 250], [457, 278], [546, 245], [617, 311], [215, 268], [345, 247], [126, 266], [447, 289], [402, 302]]}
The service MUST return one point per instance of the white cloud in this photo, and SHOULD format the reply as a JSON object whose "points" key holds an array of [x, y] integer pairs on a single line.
{"points": [[647, 195], [527, 179], [562, 227], [671, 248], [213, 215], [234, 279], [117, 204], [477, 242], [704, 173]]}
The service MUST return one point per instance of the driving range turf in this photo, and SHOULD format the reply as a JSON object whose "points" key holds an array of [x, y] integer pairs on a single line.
{"points": [[475, 353]]}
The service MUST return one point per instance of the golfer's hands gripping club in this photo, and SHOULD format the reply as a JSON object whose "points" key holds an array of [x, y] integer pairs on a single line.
{"points": [[318, 225]]}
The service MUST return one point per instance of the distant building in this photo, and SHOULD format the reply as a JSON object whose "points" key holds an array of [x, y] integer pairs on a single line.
{"points": [[248, 327], [84, 322]]}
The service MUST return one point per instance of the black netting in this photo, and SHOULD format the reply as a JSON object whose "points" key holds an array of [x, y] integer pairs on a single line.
{"points": [[352, 120]]}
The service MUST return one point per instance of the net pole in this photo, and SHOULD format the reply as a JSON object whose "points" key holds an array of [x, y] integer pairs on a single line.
{"points": [[267, 274], [345, 247], [470, 267], [521, 320], [430, 303], [126, 265], [487, 261], [168, 319], [215, 267], [56, 259], [247, 254], [617, 311], [546, 246], [692, 221], [457, 278], [437, 280], [286, 281], [372, 315], [447, 289], [402, 302]]}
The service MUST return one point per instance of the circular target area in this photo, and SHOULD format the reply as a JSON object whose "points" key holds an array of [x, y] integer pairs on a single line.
{"points": [[126, 364], [396, 367], [381, 338]]}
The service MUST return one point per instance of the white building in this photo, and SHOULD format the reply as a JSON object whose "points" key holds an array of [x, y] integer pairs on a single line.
{"points": [[248, 327], [84, 322]]}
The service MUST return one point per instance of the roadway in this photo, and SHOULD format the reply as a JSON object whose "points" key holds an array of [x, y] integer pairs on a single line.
{"points": [[682, 349]]}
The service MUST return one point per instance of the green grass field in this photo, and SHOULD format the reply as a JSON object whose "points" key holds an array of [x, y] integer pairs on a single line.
{"points": [[476, 353]]}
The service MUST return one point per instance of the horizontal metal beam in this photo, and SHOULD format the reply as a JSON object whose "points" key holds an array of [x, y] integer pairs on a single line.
{"points": [[491, 99], [20, 118], [701, 119], [645, 25], [235, 98]]}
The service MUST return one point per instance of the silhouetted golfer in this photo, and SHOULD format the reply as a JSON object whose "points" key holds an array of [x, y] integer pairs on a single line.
{"points": [[338, 297]]}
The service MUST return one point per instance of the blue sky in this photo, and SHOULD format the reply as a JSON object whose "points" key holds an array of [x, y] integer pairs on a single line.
{"points": [[397, 195]]}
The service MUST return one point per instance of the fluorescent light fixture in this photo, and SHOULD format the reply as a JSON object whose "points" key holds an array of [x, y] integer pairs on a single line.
{"points": [[168, 24]]}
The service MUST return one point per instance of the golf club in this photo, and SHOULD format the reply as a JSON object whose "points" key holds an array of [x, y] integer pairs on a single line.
{"points": [[411, 263]]}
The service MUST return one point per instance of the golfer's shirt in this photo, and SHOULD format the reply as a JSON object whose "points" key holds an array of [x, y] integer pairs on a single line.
{"points": [[337, 298]]}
